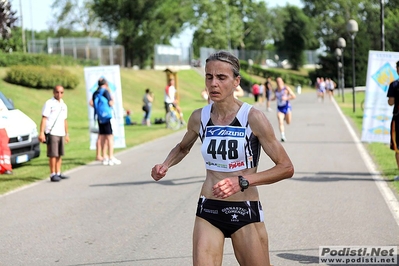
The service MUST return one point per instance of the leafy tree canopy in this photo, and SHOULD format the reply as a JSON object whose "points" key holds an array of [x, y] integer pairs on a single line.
{"points": [[141, 24]]}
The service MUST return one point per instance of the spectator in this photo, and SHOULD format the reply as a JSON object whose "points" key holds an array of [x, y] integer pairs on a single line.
{"points": [[148, 98], [204, 95], [128, 120], [238, 92], [54, 124], [170, 98], [255, 92], [105, 136], [261, 92]]}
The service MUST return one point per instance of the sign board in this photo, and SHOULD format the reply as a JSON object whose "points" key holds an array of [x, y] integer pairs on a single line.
{"points": [[112, 75], [377, 114]]}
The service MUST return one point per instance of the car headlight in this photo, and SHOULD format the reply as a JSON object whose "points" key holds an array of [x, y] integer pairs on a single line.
{"points": [[34, 132]]}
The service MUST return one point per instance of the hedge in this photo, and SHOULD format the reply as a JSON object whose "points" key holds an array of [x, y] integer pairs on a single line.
{"points": [[41, 77], [16, 58], [291, 78]]}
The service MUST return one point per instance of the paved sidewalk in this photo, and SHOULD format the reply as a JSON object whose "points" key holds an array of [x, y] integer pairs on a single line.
{"points": [[117, 215]]}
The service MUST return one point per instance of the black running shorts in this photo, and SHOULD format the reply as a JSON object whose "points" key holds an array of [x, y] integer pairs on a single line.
{"points": [[229, 216]]}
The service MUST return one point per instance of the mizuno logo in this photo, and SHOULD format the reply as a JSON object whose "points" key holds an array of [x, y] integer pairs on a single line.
{"points": [[225, 131], [212, 131]]}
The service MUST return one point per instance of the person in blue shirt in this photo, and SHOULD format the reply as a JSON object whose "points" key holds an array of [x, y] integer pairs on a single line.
{"points": [[105, 135]]}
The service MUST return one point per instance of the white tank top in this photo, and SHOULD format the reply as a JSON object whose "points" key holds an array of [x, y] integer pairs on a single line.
{"points": [[228, 148]]}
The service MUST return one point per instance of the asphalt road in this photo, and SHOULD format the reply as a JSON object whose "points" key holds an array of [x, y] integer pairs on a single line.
{"points": [[117, 215]]}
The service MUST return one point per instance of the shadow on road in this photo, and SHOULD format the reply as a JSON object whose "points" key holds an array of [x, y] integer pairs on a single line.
{"points": [[337, 176], [302, 259], [168, 182]]}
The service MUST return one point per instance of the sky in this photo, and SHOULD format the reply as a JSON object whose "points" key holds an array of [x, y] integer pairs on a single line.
{"points": [[37, 14]]}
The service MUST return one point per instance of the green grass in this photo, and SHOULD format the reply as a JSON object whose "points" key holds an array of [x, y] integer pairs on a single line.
{"points": [[77, 153], [383, 157]]}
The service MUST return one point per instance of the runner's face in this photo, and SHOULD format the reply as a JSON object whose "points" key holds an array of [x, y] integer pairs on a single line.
{"points": [[219, 80]]}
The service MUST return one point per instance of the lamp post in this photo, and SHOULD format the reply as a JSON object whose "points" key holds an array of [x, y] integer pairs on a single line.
{"points": [[22, 28], [382, 26], [352, 29], [341, 45], [33, 32], [227, 24], [338, 54]]}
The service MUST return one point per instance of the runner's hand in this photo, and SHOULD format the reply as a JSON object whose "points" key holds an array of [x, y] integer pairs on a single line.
{"points": [[159, 171], [226, 187]]}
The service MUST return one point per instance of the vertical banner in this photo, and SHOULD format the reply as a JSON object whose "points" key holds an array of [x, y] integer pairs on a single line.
{"points": [[377, 115], [112, 75]]}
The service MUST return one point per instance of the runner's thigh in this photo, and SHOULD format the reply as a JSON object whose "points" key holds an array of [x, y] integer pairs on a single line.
{"points": [[208, 242], [250, 245], [288, 117]]}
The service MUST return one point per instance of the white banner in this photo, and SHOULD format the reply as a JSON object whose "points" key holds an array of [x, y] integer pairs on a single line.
{"points": [[112, 75], [377, 115]]}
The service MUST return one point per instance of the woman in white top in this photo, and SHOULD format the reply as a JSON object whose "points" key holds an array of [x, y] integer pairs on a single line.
{"points": [[233, 134]]}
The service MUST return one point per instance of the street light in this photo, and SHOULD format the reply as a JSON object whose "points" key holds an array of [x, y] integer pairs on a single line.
{"points": [[352, 29], [227, 25], [382, 25], [22, 28], [338, 54], [341, 45]]}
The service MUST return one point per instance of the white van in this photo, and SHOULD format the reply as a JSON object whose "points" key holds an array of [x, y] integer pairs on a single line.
{"points": [[22, 131]]}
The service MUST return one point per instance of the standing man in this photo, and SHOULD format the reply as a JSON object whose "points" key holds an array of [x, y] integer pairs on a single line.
{"points": [[54, 123], [393, 99], [105, 134]]}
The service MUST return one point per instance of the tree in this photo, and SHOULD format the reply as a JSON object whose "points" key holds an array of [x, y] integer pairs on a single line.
{"points": [[140, 24], [297, 36], [331, 18], [391, 26], [219, 26], [258, 27], [7, 21], [71, 16]]}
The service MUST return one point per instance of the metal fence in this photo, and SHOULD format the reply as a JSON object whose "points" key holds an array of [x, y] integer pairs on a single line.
{"points": [[164, 55], [263, 58], [81, 48], [168, 56]]}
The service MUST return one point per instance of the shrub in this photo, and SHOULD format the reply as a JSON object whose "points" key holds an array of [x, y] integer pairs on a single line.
{"points": [[290, 78], [14, 59], [41, 77]]}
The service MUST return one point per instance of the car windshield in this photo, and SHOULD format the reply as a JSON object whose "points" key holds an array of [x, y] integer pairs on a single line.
{"points": [[6, 101]]}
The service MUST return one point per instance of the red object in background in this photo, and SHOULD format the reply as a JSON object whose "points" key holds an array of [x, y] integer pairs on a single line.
{"points": [[5, 152], [255, 89]]}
